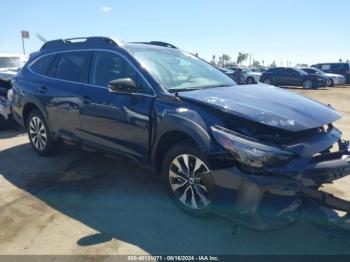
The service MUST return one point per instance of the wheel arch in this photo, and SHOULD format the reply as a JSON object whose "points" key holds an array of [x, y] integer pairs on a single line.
{"points": [[173, 130]]}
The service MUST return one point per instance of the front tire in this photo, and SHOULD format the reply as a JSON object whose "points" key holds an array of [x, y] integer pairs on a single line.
{"points": [[39, 134], [331, 84], [267, 81], [183, 175], [250, 81]]}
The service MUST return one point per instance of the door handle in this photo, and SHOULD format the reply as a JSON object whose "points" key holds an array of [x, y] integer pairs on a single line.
{"points": [[87, 100], [42, 90]]}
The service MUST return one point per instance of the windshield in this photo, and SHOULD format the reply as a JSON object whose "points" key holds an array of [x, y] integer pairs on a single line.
{"points": [[176, 71], [318, 71], [313, 71], [301, 72], [10, 62]]}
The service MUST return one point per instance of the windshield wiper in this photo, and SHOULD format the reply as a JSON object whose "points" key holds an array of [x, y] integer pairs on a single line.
{"points": [[174, 90]]}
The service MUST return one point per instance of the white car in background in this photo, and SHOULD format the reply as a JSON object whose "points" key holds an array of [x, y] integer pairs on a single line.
{"points": [[333, 79], [250, 76], [10, 64]]}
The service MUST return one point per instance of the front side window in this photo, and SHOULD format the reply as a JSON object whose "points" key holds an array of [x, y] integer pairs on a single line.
{"points": [[337, 67], [175, 70], [107, 66], [71, 66]]}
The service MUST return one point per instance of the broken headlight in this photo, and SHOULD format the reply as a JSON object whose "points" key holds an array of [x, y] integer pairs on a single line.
{"points": [[249, 152]]}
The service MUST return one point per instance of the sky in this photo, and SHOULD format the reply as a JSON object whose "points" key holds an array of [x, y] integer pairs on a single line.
{"points": [[297, 31]]}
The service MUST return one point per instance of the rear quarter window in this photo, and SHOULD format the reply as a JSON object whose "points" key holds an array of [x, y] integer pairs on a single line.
{"points": [[42, 64]]}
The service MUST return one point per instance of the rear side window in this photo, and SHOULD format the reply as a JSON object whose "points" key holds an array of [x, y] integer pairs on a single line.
{"points": [[325, 67], [71, 66], [42, 65], [276, 70]]}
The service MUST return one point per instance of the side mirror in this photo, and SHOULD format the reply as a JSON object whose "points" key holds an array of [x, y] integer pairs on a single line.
{"points": [[122, 85]]}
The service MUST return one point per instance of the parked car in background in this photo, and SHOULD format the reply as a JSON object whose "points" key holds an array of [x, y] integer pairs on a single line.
{"points": [[10, 64], [250, 76], [335, 68], [227, 72], [287, 76], [259, 70], [333, 79]]}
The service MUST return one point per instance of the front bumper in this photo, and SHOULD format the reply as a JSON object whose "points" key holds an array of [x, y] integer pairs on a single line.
{"points": [[338, 80], [276, 197]]}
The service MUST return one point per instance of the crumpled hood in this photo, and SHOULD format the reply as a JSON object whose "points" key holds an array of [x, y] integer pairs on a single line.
{"points": [[267, 105]]}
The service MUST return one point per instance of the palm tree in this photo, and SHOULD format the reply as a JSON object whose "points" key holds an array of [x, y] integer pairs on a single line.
{"points": [[241, 57], [224, 60]]}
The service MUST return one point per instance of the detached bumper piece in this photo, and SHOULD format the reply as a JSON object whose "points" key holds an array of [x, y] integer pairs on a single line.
{"points": [[257, 202], [330, 214], [272, 201], [334, 166]]}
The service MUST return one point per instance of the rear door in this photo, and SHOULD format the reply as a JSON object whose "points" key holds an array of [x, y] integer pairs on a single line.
{"points": [[116, 121], [69, 72], [281, 76], [292, 77]]}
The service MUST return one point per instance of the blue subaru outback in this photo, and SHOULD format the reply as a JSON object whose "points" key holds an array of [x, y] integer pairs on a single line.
{"points": [[256, 153]]}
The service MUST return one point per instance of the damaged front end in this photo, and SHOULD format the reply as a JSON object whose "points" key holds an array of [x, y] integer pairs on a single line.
{"points": [[277, 177]]}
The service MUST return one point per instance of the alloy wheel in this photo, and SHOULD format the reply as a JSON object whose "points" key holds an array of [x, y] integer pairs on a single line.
{"points": [[267, 82], [38, 134], [307, 84], [250, 81], [185, 178]]}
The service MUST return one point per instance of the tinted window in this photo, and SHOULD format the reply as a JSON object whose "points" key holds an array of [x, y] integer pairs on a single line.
{"points": [[271, 70], [309, 70], [107, 66], [337, 67], [277, 70], [42, 65], [325, 67], [71, 66]]}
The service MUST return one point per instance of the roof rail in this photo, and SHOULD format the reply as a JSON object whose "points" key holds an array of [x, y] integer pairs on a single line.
{"points": [[157, 43], [81, 41]]}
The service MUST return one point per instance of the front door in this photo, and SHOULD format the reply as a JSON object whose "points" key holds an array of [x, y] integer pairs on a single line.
{"points": [[116, 121]]}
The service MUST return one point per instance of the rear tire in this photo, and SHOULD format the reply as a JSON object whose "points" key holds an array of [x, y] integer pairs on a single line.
{"points": [[39, 134], [308, 84], [182, 175]]}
